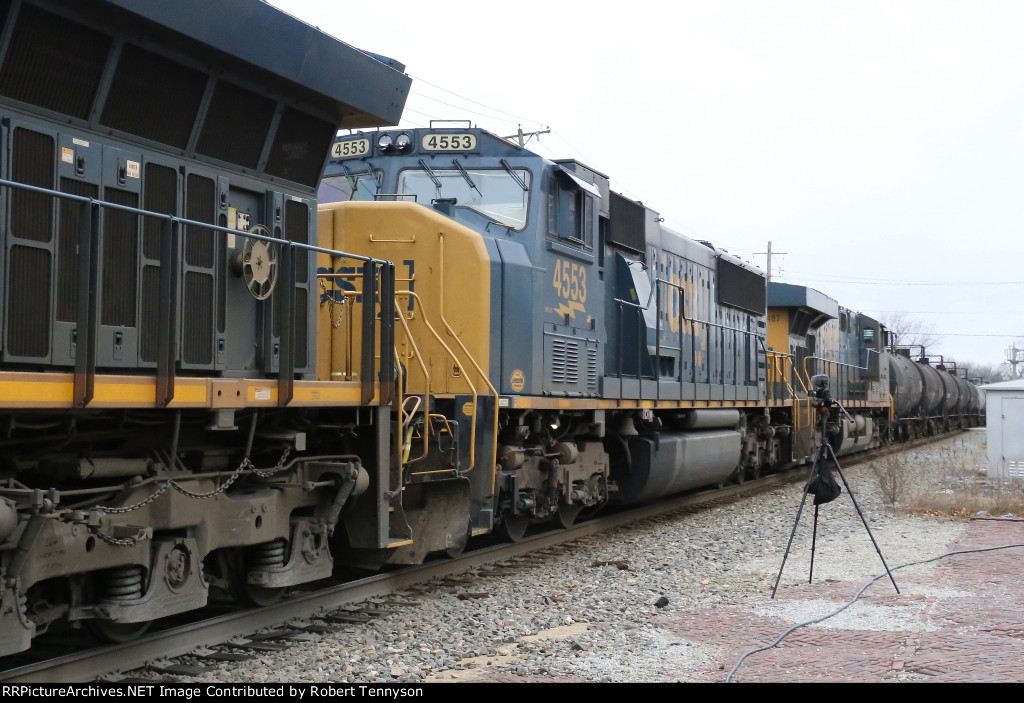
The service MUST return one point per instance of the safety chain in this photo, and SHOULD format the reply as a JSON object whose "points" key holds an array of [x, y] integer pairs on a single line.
{"points": [[130, 508], [267, 473], [329, 297], [116, 541], [132, 541]]}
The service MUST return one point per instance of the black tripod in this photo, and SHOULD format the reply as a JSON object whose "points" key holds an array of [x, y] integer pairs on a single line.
{"points": [[820, 481]]}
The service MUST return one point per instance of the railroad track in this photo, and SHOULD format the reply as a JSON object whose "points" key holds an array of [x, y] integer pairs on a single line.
{"points": [[242, 634]]}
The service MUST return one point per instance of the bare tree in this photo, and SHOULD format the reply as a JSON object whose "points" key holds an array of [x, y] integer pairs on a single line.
{"points": [[1006, 371], [906, 331], [986, 373]]}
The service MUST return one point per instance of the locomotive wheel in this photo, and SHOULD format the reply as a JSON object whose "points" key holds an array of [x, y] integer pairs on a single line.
{"points": [[116, 632], [567, 514], [253, 596], [512, 528], [453, 552]]}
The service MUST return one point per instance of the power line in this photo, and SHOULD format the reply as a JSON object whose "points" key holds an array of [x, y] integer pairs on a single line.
{"points": [[890, 282], [947, 312], [957, 334], [769, 253], [475, 102], [459, 107]]}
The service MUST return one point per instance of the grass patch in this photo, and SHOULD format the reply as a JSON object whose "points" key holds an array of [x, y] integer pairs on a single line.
{"points": [[950, 480]]}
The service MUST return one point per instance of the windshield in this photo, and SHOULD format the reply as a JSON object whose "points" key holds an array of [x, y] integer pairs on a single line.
{"points": [[494, 192], [355, 186]]}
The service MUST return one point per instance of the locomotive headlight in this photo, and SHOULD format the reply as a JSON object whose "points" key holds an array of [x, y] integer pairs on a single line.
{"points": [[384, 142], [403, 141]]}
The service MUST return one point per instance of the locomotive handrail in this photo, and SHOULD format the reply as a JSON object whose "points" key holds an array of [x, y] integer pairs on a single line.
{"points": [[455, 358], [426, 375], [683, 318], [840, 366], [487, 381], [376, 196], [839, 363], [89, 262], [639, 338], [790, 357], [185, 221], [785, 358], [797, 401], [657, 331]]}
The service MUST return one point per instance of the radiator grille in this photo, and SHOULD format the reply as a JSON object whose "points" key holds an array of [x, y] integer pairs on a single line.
{"points": [[222, 281], [150, 309], [296, 229], [32, 163], [67, 247], [161, 195], [28, 304], [565, 361], [197, 323], [120, 260], [199, 301], [53, 63], [236, 125], [200, 207], [592, 370], [153, 97], [301, 345], [300, 147]]}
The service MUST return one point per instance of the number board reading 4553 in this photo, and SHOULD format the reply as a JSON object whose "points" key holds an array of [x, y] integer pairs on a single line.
{"points": [[448, 142]]}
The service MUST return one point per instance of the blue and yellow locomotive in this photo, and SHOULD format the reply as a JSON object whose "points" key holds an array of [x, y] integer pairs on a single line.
{"points": [[617, 360], [239, 352]]}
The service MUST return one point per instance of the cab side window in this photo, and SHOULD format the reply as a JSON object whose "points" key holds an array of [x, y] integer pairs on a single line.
{"points": [[570, 212]]}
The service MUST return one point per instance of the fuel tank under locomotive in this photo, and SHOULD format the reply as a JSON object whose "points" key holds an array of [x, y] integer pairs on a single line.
{"points": [[693, 449]]}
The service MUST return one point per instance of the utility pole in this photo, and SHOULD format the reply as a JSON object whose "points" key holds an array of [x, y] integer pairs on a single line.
{"points": [[769, 253], [1015, 356], [523, 137]]}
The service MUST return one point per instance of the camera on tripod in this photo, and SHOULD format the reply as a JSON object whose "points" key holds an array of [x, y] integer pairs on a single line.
{"points": [[820, 390]]}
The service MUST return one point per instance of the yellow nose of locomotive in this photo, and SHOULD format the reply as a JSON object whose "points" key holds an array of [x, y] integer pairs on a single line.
{"points": [[442, 304]]}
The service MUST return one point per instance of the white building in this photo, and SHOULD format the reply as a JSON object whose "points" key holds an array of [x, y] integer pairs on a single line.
{"points": [[1004, 419]]}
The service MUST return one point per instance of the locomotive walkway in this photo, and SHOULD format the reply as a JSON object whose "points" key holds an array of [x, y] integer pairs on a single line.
{"points": [[964, 622]]}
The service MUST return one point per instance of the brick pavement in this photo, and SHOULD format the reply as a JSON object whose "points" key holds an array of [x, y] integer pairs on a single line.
{"points": [[964, 622]]}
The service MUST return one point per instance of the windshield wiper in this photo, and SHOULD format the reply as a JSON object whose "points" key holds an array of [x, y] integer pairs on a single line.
{"points": [[465, 175], [354, 178], [515, 176], [437, 183]]}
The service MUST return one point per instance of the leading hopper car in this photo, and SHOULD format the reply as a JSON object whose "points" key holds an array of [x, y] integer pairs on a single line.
{"points": [[210, 383]]}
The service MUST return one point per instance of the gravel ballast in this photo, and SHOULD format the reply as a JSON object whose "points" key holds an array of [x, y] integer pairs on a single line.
{"points": [[594, 610]]}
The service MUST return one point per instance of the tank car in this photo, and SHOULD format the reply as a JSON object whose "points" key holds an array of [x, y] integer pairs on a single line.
{"points": [[930, 398], [164, 431]]}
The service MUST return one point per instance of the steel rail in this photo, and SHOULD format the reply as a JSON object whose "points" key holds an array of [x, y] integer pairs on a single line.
{"points": [[104, 662]]}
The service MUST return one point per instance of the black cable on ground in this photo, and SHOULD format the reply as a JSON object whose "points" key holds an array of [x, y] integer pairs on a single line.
{"points": [[858, 594]]}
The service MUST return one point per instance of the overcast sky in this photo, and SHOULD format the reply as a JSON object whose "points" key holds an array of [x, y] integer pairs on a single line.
{"points": [[877, 145]]}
